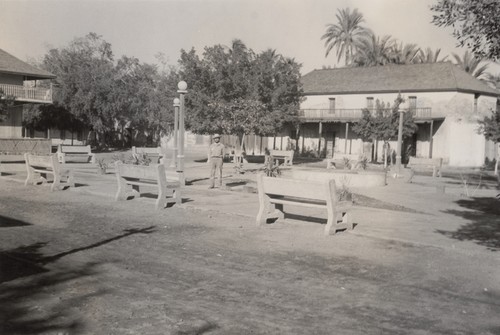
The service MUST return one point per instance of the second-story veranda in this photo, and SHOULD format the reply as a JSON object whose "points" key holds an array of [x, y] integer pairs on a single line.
{"points": [[24, 82], [421, 114]]}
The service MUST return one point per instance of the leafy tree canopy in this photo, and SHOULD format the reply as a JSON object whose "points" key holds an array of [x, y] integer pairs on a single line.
{"points": [[236, 91], [490, 126], [475, 24], [105, 95], [383, 122], [6, 101]]}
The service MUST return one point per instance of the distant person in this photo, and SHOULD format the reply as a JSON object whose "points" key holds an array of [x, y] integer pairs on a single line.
{"points": [[215, 158]]}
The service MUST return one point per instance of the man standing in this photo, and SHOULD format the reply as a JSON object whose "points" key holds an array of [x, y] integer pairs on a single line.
{"points": [[215, 157]]}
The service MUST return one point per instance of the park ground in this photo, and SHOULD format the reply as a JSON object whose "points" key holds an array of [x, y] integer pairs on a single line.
{"points": [[77, 262]]}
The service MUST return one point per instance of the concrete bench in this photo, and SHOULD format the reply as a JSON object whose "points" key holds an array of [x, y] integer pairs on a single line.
{"points": [[152, 176], [353, 158], [38, 167], [285, 155], [80, 152], [155, 154], [276, 192], [434, 163]]}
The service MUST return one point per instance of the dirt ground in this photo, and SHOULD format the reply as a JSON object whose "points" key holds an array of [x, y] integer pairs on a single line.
{"points": [[72, 263]]}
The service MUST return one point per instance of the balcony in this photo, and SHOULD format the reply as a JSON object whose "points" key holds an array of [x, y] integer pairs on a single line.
{"points": [[352, 115], [28, 94]]}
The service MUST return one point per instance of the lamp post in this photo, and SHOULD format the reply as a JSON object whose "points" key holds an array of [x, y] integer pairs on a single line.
{"points": [[177, 104], [400, 141], [182, 90]]}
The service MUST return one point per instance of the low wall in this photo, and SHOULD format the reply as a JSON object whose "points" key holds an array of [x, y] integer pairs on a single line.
{"points": [[18, 146], [353, 179]]}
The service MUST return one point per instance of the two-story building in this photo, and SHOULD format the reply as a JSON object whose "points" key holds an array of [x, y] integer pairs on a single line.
{"points": [[20, 80], [23, 83], [446, 103]]}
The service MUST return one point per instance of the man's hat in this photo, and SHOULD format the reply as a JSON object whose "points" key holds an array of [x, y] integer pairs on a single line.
{"points": [[216, 136]]}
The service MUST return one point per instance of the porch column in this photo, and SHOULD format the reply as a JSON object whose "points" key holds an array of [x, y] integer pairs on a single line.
{"points": [[320, 131], [297, 138], [430, 138], [346, 136]]}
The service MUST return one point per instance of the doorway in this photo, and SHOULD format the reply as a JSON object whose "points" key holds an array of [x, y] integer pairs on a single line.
{"points": [[330, 144]]}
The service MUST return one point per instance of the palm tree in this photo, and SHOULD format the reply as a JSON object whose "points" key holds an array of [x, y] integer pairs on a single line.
{"points": [[430, 56], [405, 53], [470, 64], [493, 80], [375, 51], [345, 35]]}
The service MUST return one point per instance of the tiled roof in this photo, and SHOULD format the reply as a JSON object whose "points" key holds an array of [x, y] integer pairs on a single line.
{"points": [[427, 77], [13, 65]]}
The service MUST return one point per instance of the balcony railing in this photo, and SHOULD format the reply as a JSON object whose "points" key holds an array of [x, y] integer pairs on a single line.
{"points": [[28, 94], [423, 113]]}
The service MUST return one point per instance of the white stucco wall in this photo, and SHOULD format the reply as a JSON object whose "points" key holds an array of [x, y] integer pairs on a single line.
{"points": [[466, 146]]}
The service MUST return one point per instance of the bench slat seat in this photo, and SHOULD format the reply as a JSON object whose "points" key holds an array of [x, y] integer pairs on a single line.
{"points": [[152, 176], [276, 192], [286, 155], [38, 167], [154, 153], [434, 163], [75, 151]]}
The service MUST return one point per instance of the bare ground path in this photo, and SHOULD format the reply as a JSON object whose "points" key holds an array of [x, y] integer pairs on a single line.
{"points": [[73, 263]]}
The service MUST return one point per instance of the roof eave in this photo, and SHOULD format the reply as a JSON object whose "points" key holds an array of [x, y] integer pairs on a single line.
{"points": [[32, 76], [405, 91]]}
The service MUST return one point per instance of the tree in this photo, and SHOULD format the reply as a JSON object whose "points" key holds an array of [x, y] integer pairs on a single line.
{"points": [[374, 51], [141, 99], [490, 127], [6, 102], [231, 86], [430, 56], [475, 24], [345, 36], [43, 117], [84, 81], [383, 123], [404, 53], [111, 98], [470, 64], [493, 80]]}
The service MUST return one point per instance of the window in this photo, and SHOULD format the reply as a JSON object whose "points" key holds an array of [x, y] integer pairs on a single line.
{"points": [[369, 103], [412, 103], [332, 106]]}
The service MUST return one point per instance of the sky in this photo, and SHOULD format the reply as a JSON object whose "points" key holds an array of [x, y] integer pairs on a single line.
{"points": [[142, 28]]}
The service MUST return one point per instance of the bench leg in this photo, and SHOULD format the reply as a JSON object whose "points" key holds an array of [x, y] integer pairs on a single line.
{"points": [[56, 182], [177, 196], [261, 217], [264, 206], [279, 211], [31, 176], [339, 219], [121, 193], [70, 178], [161, 201], [269, 211]]}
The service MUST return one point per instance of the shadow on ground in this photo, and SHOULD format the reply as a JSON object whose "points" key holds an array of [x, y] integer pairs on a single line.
{"points": [[6, 222], [484, 225], [34, 294]]}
